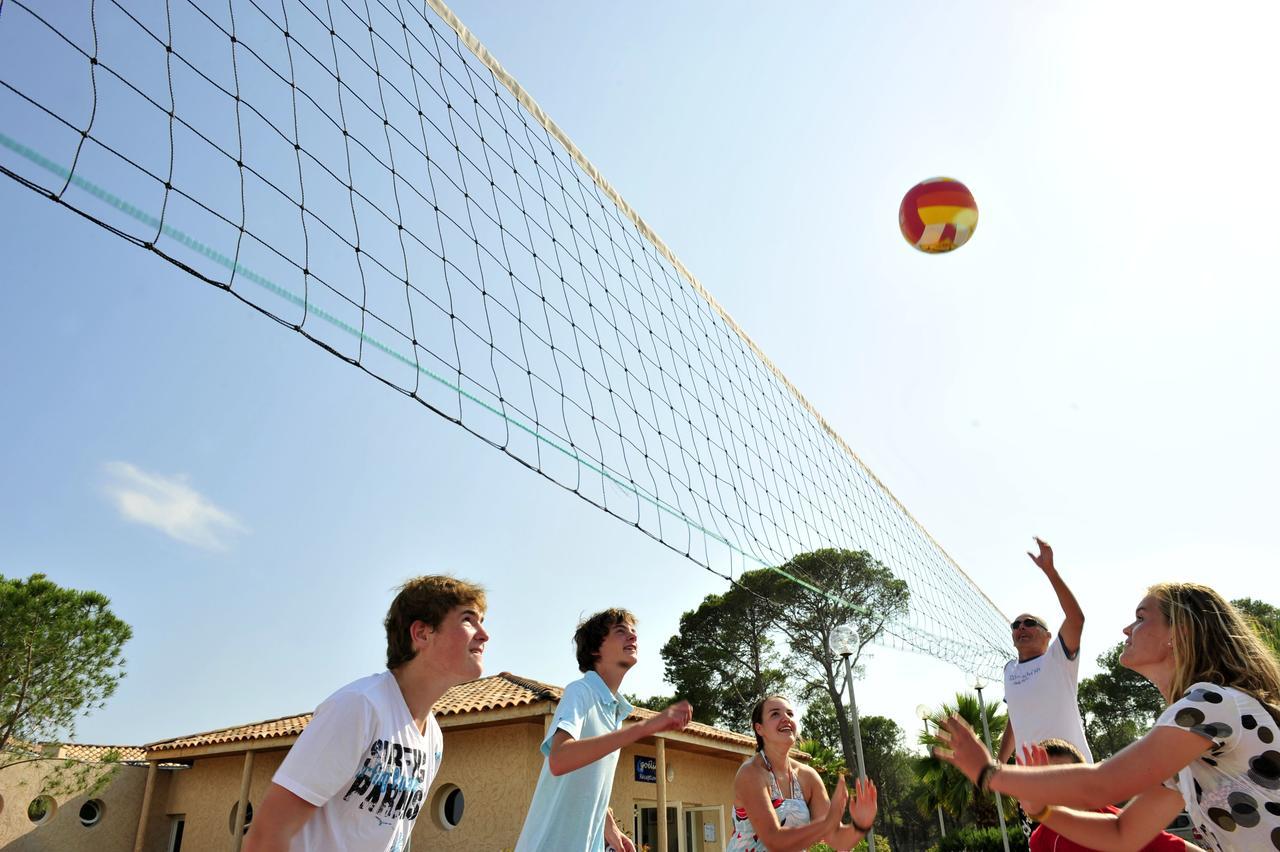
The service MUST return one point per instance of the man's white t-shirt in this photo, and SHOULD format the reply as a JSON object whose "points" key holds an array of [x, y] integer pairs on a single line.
{"points": [[1041, 695], [362, 762]]}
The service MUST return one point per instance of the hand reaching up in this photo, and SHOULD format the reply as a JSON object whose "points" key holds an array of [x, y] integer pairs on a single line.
{"points": [[839, 798], [674, 718], [1044, 559], [961, 747], [1032, 755], [862, 806]]}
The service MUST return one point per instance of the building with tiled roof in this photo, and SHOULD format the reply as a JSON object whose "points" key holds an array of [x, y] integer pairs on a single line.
{"points": [[186, 797], [478, 702]]}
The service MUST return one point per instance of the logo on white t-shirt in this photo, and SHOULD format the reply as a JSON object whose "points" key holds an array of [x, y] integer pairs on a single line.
{"points": [[391, 781]]}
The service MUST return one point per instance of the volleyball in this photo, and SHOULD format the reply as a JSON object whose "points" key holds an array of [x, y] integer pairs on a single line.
{"points": [[938, 215]]}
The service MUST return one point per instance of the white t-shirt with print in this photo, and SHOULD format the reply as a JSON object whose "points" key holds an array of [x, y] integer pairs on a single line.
{"points": [[1041, 695], [1232, 791], [362, 762]]}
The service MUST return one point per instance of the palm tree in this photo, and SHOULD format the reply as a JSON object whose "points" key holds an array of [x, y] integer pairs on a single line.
{"points": [[943, 784], [829, 765]]}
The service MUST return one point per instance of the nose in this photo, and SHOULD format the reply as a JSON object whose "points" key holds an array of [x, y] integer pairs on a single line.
{"points": [[1127, 630], [481, 633]]}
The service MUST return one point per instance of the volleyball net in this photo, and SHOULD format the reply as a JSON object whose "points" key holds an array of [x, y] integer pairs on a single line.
{"points": [[366, 173]]}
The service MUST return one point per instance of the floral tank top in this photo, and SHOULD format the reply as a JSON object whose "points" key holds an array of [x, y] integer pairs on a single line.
{"points": [[792, 810]]}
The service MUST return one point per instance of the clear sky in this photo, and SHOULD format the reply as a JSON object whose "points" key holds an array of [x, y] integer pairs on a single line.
{"points": [[1097, 366]]}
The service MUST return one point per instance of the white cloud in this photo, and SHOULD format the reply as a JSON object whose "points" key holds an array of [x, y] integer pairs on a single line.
{"points": [[171, 506]]}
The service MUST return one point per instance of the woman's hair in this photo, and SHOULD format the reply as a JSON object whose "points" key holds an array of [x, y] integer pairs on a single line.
{"points": [[1212, 642], [757, 716]]}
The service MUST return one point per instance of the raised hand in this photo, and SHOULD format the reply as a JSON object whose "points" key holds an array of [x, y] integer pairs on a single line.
{"points": [[963, 749], [1044, 559], [1032, 755], [674, 718], [862, 807], [839, 798]]}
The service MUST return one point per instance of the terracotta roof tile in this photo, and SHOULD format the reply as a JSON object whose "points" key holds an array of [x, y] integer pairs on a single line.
{"points": [[700, 730], [285, 726], [489, 693], [95, 753], [494, 693]]}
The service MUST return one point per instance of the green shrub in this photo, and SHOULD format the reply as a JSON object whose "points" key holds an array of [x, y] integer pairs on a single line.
{"points": [[972, 839], [882, 845]]}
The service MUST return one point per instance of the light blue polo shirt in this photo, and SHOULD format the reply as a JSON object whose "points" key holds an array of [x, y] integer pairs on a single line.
{"points": [[568, 812]]}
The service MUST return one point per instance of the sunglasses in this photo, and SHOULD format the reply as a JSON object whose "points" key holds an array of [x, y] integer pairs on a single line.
{"points": [[1029, 622]]}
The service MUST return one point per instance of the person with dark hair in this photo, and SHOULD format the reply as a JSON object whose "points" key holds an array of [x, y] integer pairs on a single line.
{"points": [[1040, 686], [1044, 839], [355, 779], [780, 804], [570, 807], [1213, 751]]}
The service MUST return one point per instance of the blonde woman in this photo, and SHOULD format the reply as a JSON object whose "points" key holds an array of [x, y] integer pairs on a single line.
{"points": [[1215, 749]]}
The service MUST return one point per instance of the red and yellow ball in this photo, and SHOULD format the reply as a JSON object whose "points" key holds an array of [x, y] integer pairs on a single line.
{"points": [[938, 215]]}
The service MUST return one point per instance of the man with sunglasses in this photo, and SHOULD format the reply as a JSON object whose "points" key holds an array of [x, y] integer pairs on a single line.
{"points": [[1040, 686]]}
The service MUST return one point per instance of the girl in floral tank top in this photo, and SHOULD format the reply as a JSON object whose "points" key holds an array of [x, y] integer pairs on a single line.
{"points": [[764, 816]]}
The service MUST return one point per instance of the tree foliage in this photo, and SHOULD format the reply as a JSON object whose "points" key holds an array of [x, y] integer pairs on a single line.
{"points": [[1264, 618], [61, 656], [854, 589], [943, 784], [723, 658]]}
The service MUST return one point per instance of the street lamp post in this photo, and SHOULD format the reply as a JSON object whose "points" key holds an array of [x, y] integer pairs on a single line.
{"points": [[844, 642], [923, 713], [980, 684]]}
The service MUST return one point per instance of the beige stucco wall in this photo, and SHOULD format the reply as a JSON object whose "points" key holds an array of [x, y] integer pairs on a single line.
{"points": [[205, 795], [697, 780], [121, 800], [497, 769]]}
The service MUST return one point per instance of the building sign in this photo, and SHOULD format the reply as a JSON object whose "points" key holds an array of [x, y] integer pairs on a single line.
{"points": [[647, 769]]}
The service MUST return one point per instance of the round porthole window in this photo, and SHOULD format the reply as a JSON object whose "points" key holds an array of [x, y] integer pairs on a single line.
{"points": [[248, 816], [448, 807], [91, 813], [41, 809]]}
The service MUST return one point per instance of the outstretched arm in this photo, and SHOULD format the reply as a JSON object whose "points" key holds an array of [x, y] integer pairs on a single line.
{"points": [[1073, 626], [1141, 766], [280, 816], [568, 754], [1007, 743], [1132, 828], [751, 789]]}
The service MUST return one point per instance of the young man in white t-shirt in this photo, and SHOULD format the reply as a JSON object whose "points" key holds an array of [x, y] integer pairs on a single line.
{"points": [[357, 776], [1040, 687]]}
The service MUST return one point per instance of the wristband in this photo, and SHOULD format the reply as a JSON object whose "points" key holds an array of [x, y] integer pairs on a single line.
{"points": [[862, 828], [983, 781], [1040, 815]]}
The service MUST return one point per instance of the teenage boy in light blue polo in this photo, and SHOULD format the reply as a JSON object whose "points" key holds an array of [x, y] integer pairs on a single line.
{"points": [[570, 807]]}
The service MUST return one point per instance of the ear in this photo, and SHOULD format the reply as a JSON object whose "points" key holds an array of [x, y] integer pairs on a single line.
{"points": [[421, 632]]}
